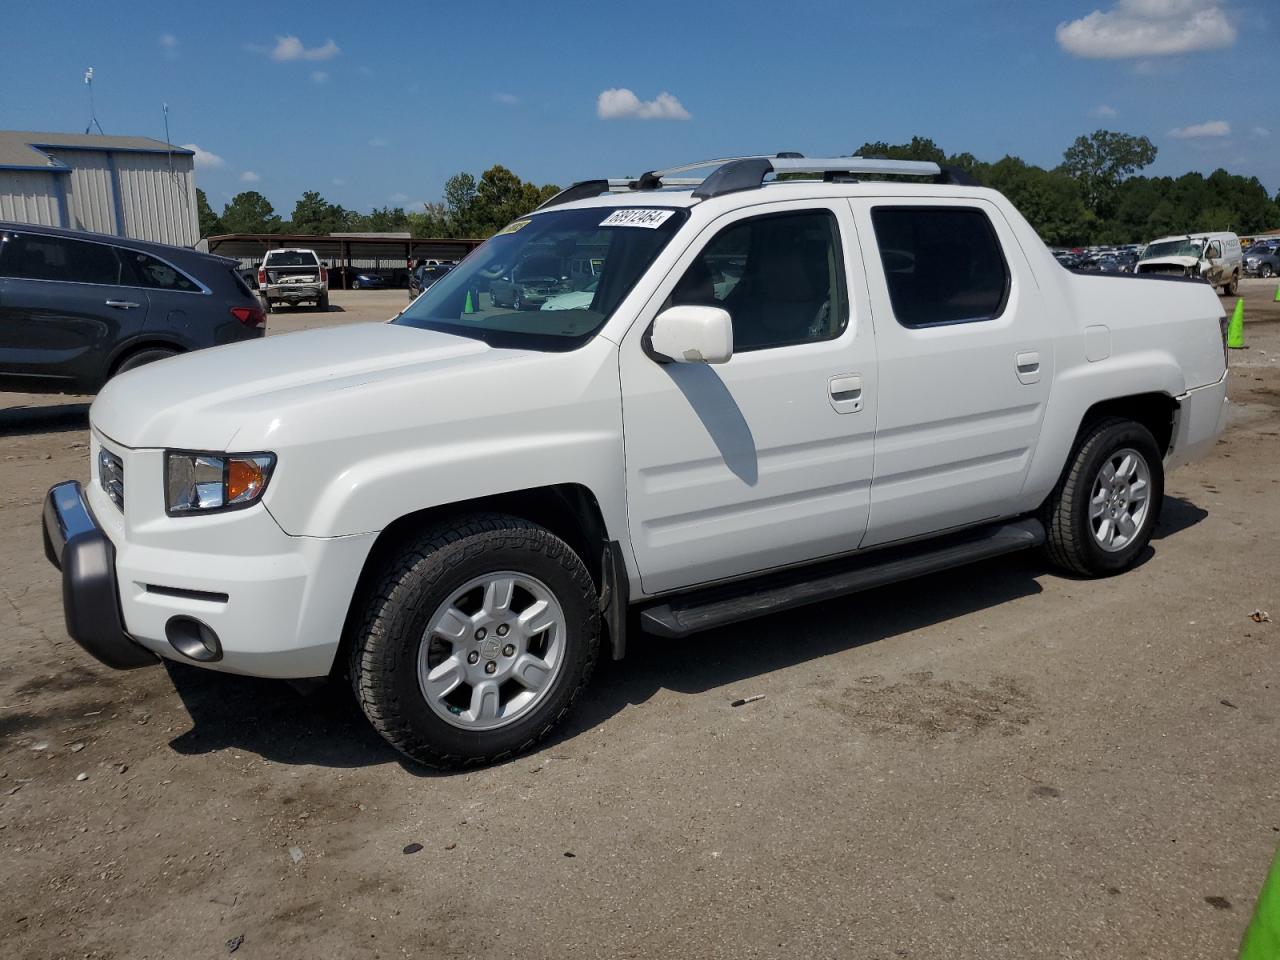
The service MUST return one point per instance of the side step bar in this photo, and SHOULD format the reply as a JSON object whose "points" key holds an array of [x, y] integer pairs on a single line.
{"points": [[717, 606]]}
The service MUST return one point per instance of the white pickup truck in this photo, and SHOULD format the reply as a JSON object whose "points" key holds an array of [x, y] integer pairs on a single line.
{"points": [[781, 390], [293, 276]]}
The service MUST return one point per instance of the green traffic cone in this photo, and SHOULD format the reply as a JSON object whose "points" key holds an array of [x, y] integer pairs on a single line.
{"points": [[1235, 329], [1262, 938], [469, 307], [1277, 294]]}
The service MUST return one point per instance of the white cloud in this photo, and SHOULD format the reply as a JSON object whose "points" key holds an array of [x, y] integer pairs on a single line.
{"points": [[1148, 28], [620, 102], [249, 177], [1214, 128], [509, 99], [319, 76], [169, 43], [1104, 112], [205, 159], [398, 197], [291, 48], [379, 142], [1261, 132]]}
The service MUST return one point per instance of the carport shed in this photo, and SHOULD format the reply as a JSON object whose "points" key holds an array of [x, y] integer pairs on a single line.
{"points": [[390, 255]]}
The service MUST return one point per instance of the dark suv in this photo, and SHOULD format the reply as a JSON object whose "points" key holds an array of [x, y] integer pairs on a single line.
{"points": [[77, 308], [1262, 260]]}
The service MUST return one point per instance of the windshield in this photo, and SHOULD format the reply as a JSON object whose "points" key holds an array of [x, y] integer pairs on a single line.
{"points": [[497, 293], [1173, 248]]}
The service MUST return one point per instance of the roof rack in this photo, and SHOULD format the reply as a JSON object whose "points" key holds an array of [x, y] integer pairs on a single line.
{"points": [[733, 174]]}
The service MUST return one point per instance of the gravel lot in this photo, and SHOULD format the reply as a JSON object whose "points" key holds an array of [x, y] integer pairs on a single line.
{"points": [[999, 762]]}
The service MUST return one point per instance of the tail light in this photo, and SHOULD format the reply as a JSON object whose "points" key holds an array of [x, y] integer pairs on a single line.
{"points": [[262, 278], [1224, 323], [249, 316], [324, 276]]}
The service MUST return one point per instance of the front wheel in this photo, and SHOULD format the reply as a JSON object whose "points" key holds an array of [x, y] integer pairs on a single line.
{"points": [[1265, 271], [1234, 285], [1101, 515], [476, 641]]}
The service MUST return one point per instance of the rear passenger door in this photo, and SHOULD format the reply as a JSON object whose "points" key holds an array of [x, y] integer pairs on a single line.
{"points": [[966, 361], [62, 309]]}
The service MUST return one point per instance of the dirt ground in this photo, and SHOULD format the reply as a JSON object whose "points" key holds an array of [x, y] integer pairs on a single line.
{"points": [[999, 762]]}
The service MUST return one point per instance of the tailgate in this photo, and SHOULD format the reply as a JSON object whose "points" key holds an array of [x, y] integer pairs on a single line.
{"points": [[288, 275]]}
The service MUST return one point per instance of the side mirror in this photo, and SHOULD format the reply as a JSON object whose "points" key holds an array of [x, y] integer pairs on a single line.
{"points": [[690, 334]]}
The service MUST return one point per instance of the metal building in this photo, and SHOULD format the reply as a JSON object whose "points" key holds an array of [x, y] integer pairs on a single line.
{"points": [[131, 186]]}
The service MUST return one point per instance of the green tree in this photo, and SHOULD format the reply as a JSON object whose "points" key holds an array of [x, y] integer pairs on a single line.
{"points": [[433, 221], [920, 148], [1049, 200], [250, 212], [459, 198], [1101, 160], [313, 214], [210, 223]]}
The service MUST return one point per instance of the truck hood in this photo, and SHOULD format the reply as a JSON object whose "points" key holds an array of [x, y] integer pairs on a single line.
{"points": [[202, 400], [1183, 262]]}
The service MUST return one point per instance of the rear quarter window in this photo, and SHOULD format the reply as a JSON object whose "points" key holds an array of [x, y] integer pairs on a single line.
{"points": [[942, 265]]}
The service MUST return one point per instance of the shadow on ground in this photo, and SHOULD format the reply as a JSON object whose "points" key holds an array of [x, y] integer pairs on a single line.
{"points": [[326, 728], [44, 418]]}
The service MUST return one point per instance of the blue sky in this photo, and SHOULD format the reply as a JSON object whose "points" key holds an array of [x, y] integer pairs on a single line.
{"points": [[378, 104]]}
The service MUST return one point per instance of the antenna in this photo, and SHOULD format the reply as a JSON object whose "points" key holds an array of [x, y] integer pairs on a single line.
{"points": [[93, 116], [167, 142]]}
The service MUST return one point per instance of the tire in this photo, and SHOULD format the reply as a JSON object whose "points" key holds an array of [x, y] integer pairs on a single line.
{"points": [[1074, 543], [140, 359], [323, 302], [1231, 288], [440, 578], [1265, 271], [355, 284]]}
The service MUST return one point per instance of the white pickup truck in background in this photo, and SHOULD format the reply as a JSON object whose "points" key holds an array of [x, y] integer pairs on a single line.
{"points": [[293, 276], [777, 391]]}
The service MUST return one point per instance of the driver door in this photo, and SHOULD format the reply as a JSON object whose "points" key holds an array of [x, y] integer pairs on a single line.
{"points": [[765, 460]]}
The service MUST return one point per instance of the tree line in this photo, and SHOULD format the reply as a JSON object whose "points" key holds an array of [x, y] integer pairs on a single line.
{"points": [[1096, 195], [470, 208]]}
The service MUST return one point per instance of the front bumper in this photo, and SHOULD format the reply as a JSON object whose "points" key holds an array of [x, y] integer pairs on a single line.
{"points": [[76, 545], [139, 585]]}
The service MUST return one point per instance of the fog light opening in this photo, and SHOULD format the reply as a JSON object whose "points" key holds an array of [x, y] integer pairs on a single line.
{"points": [[193, 639]]}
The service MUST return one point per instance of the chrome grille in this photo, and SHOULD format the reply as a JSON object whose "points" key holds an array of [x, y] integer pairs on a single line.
{"points": [[111, 476]]}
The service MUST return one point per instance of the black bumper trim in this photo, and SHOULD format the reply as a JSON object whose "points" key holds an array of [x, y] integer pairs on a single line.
{"points": [[75, 544]]}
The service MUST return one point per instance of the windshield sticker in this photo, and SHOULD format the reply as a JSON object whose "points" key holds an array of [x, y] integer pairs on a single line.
{"points": [[633, 217], [512, 227]]}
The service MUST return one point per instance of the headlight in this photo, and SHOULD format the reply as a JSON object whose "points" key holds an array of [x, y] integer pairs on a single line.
{"points": [[207, 482]]}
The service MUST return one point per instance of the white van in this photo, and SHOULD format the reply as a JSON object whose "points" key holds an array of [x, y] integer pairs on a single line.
{"points": [[1215, 257]]}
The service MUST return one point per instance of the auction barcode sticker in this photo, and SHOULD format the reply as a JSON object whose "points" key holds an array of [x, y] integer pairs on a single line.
{"points": [[635, 217]]}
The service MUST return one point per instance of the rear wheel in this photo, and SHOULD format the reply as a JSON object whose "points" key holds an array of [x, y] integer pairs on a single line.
{"points": [[140, 359], [476, 641], [323, 302], [1101, 515]]}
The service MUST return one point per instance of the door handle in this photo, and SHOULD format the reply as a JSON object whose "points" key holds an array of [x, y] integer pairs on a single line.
{"points": [[1028, 366], [845, 392], [123, 304]]}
